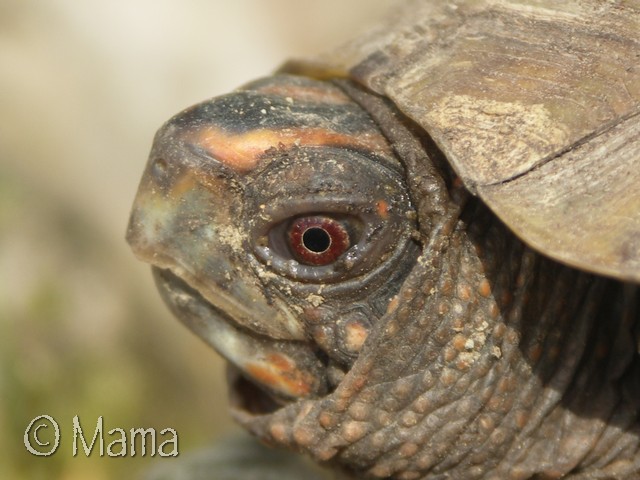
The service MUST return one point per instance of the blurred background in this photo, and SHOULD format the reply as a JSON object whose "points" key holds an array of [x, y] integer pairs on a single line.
{"points": [[83, 87]]}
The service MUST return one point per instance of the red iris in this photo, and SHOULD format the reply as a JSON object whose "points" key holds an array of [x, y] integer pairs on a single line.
{"points": [[318, 240]]}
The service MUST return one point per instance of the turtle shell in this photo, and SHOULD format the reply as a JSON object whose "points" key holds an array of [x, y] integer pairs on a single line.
{"points": [[534, 103]]}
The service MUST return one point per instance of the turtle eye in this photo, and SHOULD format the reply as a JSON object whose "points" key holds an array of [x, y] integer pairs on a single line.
{"points": [[318, 240], [330, 246]]}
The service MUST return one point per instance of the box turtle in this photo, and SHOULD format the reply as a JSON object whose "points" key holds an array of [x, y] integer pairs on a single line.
{"points": [[420, 254]]}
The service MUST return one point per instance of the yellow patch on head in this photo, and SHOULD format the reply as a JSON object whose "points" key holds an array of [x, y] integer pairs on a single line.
{"points": [[281, 374], [242, 151]]}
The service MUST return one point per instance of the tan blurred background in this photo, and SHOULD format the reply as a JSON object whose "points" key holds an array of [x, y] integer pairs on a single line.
{"points": [[83, 87]]}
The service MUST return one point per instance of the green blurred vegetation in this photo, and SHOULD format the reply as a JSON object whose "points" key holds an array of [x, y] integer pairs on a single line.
{"points": [[79, 336]]}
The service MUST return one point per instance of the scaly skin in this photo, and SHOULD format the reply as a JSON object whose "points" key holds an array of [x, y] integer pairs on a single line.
{"points": [[510, 365]]}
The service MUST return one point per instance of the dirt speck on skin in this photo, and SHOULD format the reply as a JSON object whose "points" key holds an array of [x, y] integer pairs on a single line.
{"points": [[315, 300], [267, 275], [230, 235]]}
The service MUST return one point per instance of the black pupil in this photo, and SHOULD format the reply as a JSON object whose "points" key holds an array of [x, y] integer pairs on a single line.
{"points": [[316, 240]]}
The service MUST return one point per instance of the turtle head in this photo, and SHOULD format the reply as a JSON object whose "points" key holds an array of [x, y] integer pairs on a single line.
{"points": [[279, 228]]}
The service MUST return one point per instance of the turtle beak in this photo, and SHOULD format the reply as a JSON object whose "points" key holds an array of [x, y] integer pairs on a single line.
{"points": [[187, 222], [286, 369]]}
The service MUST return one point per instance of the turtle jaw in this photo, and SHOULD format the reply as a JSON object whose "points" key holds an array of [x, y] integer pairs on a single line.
{"points": [[285, 370]]}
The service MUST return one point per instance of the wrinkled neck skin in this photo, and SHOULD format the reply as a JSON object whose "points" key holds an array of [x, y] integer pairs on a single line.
{"points": [[493, 362]]}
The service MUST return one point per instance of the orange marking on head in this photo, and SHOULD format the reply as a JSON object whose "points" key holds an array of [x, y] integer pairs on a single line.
{"points": [[356, 334], [281, 374], [382, 207], [243, 151]]}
